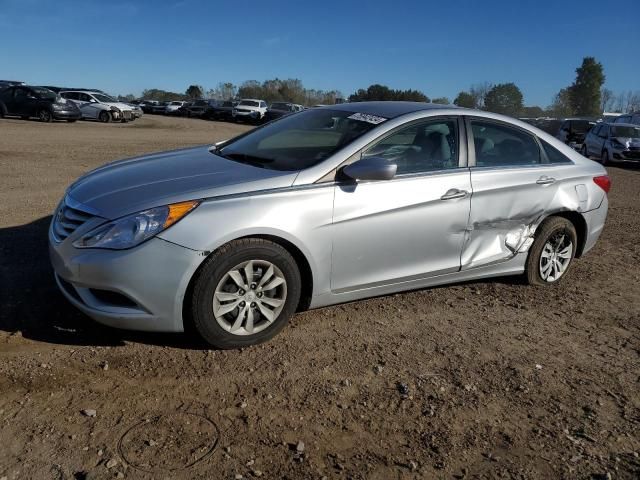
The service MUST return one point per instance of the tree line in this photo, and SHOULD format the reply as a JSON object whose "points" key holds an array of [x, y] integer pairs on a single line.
{"points": [[274, 90], [586, 96]]}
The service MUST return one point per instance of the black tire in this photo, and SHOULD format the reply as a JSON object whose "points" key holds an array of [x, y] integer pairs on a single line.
{"points": [[583, 151], [548, 229], [216, 267], [45, 115], [604, 157], [104, 116], [71, 120]]}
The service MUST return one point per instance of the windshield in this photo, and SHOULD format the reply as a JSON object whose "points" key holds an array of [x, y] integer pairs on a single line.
{"points": [[103, 98], [581, 126], [626, 132], [299, 141], [45, 93], [249, 103], [281, 106]]}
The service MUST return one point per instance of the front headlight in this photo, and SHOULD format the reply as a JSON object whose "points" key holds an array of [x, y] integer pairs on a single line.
{"points": [[132, 230]]}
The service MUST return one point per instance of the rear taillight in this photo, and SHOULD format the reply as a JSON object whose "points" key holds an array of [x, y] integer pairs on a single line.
{"points": [[604, 182]]}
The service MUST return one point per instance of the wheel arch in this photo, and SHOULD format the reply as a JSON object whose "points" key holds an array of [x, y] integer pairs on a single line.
{"points": [[306, 274], [579, 223]]}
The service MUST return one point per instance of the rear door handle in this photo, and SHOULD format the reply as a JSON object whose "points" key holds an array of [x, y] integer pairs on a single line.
{"points": [[454, 193], [544, 180]]}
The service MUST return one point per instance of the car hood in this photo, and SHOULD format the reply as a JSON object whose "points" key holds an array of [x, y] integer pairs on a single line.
{"points": [[135, 184], [121, 106], [629, 141]]}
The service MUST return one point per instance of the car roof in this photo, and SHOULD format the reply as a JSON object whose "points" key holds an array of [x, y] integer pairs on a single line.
{"points": [[387, 109]]}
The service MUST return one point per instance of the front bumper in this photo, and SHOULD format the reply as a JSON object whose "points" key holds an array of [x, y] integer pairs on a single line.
{"points": [[67, 114], [627, 155], [142, 288]]}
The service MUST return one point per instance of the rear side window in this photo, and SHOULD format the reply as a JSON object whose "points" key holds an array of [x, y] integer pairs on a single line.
{"points": [[498, 145], [554, 155]]}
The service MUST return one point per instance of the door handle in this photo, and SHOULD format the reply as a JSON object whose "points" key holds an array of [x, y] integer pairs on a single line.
{"points": [[544, 180], [454, 193]]}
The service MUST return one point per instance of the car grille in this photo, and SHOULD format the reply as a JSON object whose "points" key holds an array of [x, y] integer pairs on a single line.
{"points": [[243, 110], [127, 114], [67, 220]]}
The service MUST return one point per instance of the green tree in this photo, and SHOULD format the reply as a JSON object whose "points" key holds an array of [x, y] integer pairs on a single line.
{"points": [[161, 95], [465, 99], [585, 90], [532, 112], [441, 101], [194, 92], [377, 92], [505, 98], [561, 105]]}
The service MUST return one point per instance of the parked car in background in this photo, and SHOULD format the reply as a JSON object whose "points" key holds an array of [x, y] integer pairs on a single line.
{"points": [[98, 106], [173, 108], [633, 118], [10, 83], [198, 108], [613, 142], [280, 109], [148, 105], [327, 206], [26, 101], [573, 130], [220, 110], [249, 109]]}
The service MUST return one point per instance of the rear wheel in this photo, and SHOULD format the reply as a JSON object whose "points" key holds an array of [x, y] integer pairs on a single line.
{"points": [[245, 293], [44, 116], [104, 116], [552, 251]]}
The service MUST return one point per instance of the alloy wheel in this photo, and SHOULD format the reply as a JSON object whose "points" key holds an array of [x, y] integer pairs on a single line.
{"points": [[555, 257], [249, 297]]}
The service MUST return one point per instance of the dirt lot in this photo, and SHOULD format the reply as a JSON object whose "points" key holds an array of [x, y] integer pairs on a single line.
{"points": [[492, 379]]}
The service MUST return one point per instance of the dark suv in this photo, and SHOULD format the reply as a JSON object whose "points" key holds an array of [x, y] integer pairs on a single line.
{"points": [[219, 110], [25, 101], [573, 130]]}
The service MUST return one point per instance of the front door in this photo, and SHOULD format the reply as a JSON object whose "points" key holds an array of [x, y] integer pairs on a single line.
{"points": [[409, 227]]}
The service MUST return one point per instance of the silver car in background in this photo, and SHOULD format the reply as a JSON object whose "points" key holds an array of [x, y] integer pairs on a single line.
{"points": [[329, 205], [613, 142]]}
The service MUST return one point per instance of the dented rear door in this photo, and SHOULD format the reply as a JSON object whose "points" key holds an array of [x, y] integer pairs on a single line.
{"points": [[512, 189]]}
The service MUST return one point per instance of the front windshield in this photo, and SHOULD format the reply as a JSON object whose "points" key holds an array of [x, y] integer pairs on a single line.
{"points": [[581, 126], [299, 141], [45, 93], [103, 98], [626, 132], [249, 103]]}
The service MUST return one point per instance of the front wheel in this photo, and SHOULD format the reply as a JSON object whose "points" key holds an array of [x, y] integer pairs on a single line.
{"points": [[104, 117], [45, 116], [584, 151], [245, 293], [552, 251]]}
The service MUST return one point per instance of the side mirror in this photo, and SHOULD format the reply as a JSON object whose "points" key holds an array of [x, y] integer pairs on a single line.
{"points": [[371, 168]]}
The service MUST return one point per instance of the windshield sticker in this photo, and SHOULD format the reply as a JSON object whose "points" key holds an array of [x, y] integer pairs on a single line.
{"points": [[364, 117]]}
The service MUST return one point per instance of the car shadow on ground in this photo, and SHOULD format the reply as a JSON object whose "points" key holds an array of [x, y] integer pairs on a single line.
{"points": [[31, 305]]}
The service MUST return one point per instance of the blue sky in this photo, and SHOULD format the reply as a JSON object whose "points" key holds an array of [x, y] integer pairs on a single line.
{"points": [[438, 47]]}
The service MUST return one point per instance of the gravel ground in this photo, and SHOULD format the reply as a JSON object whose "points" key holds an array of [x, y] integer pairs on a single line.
{"points": [[492, 379]]}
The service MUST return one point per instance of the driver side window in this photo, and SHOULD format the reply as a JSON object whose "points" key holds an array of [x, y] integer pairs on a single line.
{"points": [[422, 147]]}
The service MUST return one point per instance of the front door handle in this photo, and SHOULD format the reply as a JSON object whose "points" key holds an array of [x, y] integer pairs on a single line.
{"points": [[544, 180], [454, 193]]}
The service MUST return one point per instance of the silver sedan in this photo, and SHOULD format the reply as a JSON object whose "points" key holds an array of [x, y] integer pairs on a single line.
{"points": [[324, 206]]}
